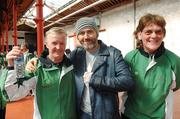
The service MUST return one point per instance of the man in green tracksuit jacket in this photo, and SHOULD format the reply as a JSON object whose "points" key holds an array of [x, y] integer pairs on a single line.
{"points": [[53, 81], [156, 72]]}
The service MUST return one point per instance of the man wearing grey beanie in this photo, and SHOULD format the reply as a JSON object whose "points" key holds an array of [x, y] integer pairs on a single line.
{"points": [[86, 22], [100, 73]]}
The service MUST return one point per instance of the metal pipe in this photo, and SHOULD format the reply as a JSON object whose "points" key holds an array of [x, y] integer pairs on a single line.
{"points": [[60, 11], [83, 9], [134, 9], [2, 41], [14, 23], [7, 41], [40, 31]]}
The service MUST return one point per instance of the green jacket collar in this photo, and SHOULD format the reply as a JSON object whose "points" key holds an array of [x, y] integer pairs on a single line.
{"points": [[157, 54], [47, 63]]}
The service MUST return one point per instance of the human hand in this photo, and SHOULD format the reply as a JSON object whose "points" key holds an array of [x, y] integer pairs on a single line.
{"points": [[31, 65], [13, 54], [87, 77]]}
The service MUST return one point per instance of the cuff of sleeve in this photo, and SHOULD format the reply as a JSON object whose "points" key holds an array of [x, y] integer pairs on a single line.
{"points": [[10, 67], [95, 82]]}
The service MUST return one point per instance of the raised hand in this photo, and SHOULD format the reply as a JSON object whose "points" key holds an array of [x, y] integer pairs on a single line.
{"points": [[31, 65], [13, 54]]}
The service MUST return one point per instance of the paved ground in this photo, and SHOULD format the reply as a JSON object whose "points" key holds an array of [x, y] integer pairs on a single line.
{"points": [[24, 109]]}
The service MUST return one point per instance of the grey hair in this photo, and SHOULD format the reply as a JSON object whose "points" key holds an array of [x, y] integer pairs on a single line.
{"points": [[57, 30]]}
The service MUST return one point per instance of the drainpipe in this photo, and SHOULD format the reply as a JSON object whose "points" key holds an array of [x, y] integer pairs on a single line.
{"points": [[134, 9], [40, 31], [14, 23], [76, 12]]}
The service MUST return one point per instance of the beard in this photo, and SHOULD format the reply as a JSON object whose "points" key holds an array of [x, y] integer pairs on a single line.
{"points": [[89, 43], [89, 46]]}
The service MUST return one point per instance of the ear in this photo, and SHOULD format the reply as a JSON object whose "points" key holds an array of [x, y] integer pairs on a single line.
{"points": [[77, 37], [139, 34], [45, 42]]}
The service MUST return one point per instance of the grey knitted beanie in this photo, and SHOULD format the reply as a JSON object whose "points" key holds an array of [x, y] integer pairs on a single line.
{"points": [[86, 22]]}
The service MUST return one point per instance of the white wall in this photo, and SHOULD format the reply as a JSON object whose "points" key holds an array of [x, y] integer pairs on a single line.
{"points": [[170, 9], [10, 37], [119, 23]]}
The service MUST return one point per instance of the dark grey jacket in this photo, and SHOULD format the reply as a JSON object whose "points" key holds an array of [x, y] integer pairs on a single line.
{"points": [[110, 75]]}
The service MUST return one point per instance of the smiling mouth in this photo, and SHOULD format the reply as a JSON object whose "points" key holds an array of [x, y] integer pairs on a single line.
{"points": [[88, 42]]}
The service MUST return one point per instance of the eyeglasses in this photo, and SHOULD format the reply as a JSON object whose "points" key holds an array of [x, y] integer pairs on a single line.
{"points": [[157, 32]]}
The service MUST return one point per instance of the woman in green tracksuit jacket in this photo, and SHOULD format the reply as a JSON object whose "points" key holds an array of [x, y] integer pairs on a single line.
{"points": [[156, 72], [53, 81]]}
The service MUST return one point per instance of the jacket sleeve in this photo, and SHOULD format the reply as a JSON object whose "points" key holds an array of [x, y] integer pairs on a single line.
{"points": [[121, 80], [175, 65], [72, 56], [17, 89], [177, 74], [176, 69], [3, 96]]}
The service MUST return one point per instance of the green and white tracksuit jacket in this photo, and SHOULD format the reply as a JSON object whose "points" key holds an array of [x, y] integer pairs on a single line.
{"points": [[156, 76], [54, 89]]}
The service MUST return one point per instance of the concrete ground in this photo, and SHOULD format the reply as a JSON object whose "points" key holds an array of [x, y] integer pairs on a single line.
{"points": [[24, 109]]}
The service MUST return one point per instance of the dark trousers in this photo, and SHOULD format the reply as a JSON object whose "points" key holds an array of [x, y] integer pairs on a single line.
{"points": [[124, 117], [2, 113]]}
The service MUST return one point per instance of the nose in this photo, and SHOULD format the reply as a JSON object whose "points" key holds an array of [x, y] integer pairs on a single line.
{"points": [[153, 35], [86, 36], [58, 46]]}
